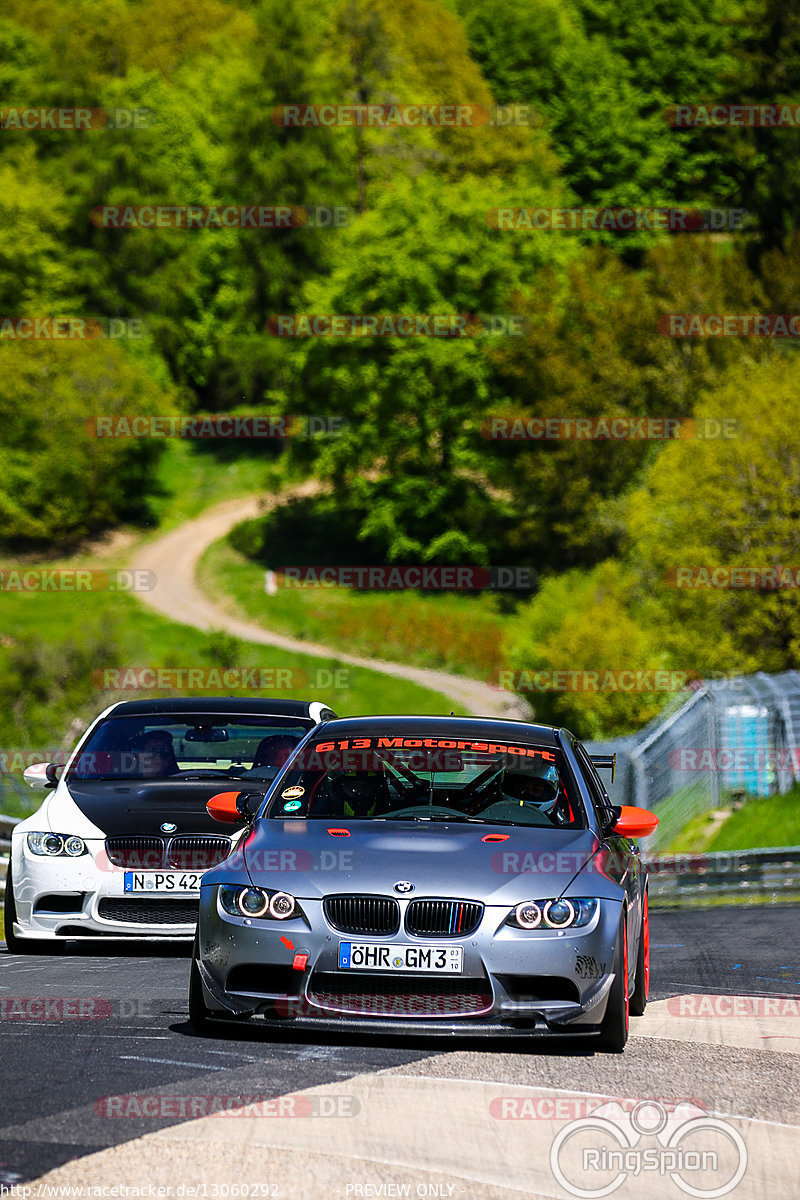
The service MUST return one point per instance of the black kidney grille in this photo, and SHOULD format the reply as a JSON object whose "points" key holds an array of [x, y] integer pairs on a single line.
{"points": [[185, 853], [197, 853], [149, 911], [142, 853], [362, 914], [443, 918]]}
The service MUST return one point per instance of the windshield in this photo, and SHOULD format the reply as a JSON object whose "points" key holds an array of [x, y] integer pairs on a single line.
{"points": [[430, 779], [189, 746]]}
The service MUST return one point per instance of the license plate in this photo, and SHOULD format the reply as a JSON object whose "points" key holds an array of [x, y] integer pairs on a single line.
{"points": [[163, 882], [369, 956]]}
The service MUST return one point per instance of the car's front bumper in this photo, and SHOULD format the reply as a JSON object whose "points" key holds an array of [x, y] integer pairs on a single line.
{"points": [[539, 981], [85, 897]]}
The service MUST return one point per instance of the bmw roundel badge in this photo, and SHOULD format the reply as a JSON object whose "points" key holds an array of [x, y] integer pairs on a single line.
{"points": [[403, 885], [168, 827]]}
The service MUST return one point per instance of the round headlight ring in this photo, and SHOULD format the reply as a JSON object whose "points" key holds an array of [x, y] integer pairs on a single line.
{"points": [[548, 909], [53, 844], [281, 906], [261, 900], [74, 846], [528, 915]]}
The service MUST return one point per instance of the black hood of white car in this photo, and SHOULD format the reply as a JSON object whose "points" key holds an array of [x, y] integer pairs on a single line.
{"points": [[141, 806]]}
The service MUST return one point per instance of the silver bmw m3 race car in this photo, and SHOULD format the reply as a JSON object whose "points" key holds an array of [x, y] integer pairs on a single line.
{"points": [[439, 874]]}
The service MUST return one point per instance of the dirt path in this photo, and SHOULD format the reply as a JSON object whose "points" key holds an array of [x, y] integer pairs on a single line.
{"points": [[174, 558]]}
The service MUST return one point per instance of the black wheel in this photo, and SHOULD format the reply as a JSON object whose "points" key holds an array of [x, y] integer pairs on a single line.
{"points": [[199, 1013], [614, 1030], [19, 945], [641, 984]]}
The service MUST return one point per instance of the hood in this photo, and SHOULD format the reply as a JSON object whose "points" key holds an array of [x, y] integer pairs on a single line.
{"points": [[455, 861], [140, 806]]}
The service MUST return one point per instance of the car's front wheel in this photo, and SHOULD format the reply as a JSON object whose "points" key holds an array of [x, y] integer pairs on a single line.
{"points": [[199, 1012], [614, 1030], [641, 984], [14, 944]]}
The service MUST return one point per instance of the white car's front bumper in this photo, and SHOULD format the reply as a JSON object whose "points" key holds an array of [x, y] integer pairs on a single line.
{"points": [[85, 897]]}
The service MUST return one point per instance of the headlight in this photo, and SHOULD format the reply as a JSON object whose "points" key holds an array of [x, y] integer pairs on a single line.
{"points": [[257, 902], [53, 845], [552, 914]]}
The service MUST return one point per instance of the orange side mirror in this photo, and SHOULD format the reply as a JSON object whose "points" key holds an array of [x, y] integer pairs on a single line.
{"points": [[635, 822], [222, 807]]}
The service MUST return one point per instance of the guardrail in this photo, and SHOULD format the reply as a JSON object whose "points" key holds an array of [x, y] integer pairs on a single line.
{"points": [[680, 880]]}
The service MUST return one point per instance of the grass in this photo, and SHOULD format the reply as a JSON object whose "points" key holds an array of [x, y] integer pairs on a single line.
{"points": [[65, 642], [759, 823], [194, 476], [458, 633], [52, 644]]}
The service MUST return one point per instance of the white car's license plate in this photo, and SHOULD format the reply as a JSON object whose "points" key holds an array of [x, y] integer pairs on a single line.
{"points": [[163, 882], [371, 956]]}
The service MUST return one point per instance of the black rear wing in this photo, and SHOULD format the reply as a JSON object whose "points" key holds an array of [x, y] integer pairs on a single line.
{"points": [[607, 762]]}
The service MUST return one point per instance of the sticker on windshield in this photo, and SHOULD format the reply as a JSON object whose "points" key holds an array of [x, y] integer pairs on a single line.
{"points": [[292, 805], [293, 793]]}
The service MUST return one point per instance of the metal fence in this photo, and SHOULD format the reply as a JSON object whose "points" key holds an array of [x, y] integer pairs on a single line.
{"points": [[738, 735]]}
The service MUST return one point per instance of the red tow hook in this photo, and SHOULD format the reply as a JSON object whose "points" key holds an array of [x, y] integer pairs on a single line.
{"points": [[300, 960]]}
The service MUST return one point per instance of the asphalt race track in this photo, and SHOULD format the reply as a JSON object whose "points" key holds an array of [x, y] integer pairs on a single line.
{"points": [[374, 1117]]}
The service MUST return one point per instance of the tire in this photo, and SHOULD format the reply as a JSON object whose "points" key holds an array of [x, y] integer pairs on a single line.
{"points": [[614, 1030], [199, 1013], [641, 984], [20, 945]]}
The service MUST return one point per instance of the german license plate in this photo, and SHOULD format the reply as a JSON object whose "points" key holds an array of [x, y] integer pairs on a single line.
{"points": [[370, 956], [163, 882]]}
